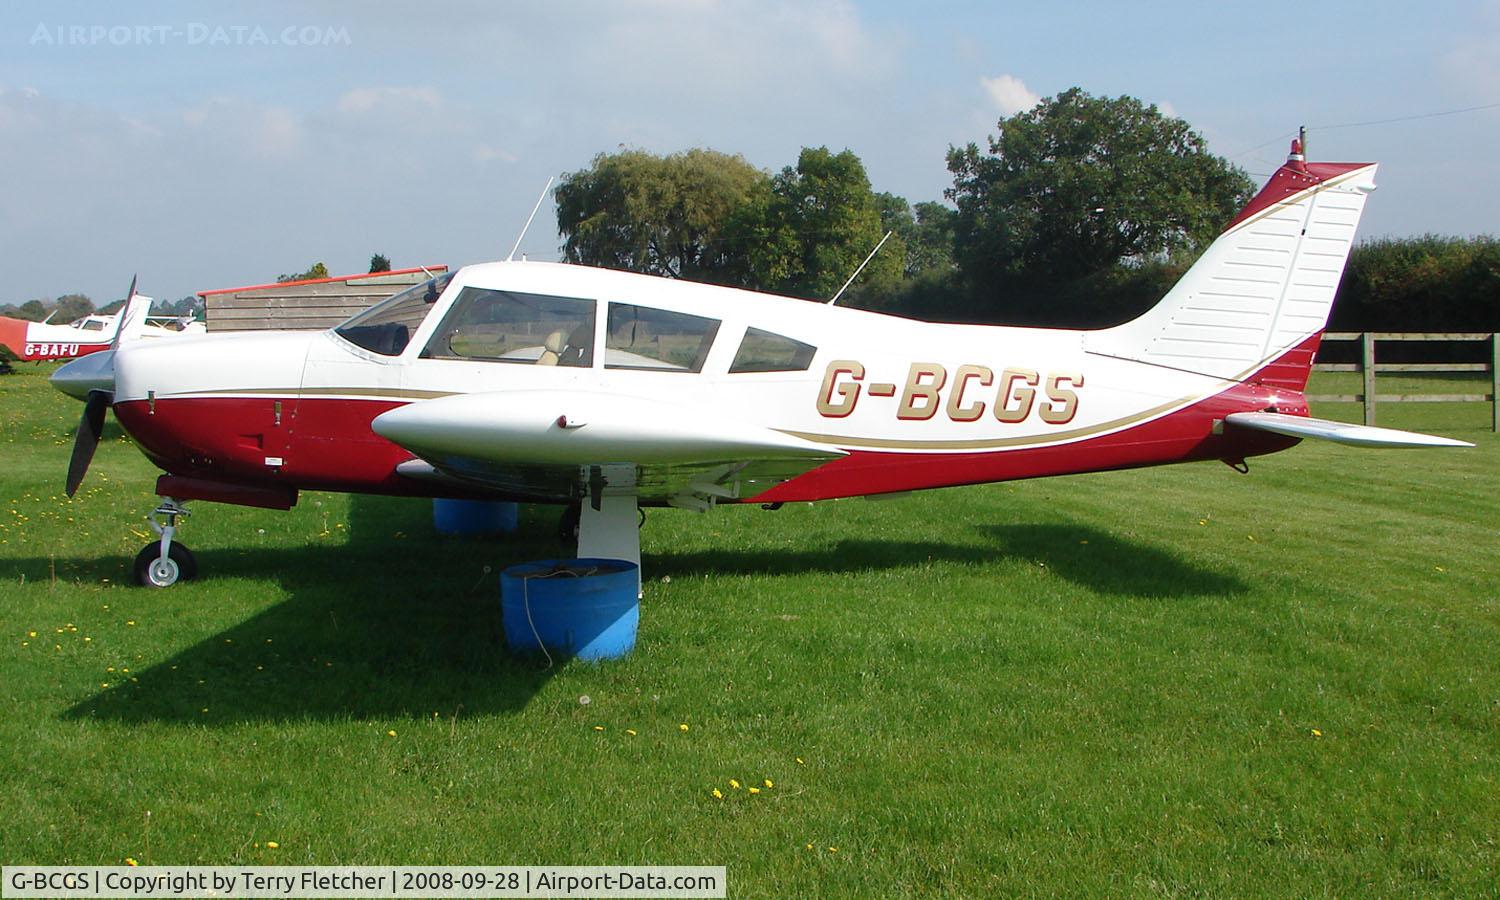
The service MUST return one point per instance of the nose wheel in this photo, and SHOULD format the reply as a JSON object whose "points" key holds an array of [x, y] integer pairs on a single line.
{"points": [[163, 563]]}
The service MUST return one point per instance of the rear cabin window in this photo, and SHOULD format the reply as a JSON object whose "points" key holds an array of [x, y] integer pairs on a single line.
{"points": [[512, 327], [766, 351], [640, 337]]}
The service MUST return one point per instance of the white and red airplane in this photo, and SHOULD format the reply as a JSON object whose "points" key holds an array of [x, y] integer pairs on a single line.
{"points": [[94, 333], [564, 384]]}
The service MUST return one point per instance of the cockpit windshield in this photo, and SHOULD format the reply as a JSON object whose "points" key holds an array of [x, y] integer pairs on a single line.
{"points": [[386, 327]]}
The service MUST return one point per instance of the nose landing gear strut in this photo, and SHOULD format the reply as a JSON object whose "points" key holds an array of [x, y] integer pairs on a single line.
{"points": [[163, 563]]}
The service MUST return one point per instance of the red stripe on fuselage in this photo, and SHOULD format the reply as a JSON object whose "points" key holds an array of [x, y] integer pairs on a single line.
{"points": [[327, 444], [1182, 436]]}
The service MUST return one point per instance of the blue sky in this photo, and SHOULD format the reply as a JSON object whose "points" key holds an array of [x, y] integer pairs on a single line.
{"points": [[213, 145]]}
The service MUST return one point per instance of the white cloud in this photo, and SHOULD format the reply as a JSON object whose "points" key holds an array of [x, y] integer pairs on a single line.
{"points": [[1010, 94], [368, 99]]}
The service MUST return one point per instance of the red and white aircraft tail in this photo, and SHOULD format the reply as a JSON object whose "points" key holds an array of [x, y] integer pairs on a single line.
{"points": [[1254, 306]]}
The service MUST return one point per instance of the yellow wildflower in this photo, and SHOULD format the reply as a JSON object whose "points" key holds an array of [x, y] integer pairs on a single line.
{"points": [[1317, 733], [391, 733], [130, 861], [754, 789], [273, 845], [682, 727], [630, 731], [769, 783], [598, 727], [734, 784], [718, 794]]}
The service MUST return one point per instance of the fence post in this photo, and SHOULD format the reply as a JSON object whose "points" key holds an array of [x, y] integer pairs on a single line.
{"points": [[1495, 382], [1367, 367]]}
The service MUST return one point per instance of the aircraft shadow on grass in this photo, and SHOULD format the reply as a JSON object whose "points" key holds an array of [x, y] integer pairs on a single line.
{"points": [[378, 627]]}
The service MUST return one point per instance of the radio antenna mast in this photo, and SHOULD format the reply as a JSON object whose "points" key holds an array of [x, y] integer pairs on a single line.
{"points": [[522, 235], [834, 299]]}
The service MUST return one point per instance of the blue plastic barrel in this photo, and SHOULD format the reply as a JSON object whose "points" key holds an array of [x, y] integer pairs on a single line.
{"points": [[474, 517], [588, 608]]}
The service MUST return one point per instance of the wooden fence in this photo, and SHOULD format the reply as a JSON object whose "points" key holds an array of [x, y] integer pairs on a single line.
{"points": [[1368, 368]]}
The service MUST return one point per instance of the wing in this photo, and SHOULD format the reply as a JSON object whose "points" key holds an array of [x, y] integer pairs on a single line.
{"points": [[556, 445], [1338, 432]]}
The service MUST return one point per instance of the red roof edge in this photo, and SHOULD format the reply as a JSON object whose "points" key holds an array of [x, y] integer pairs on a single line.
{"points": [[277, 284]]}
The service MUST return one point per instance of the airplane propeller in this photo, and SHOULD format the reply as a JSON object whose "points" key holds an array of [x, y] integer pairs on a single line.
{"points": [[90, 429], [95, 375]]}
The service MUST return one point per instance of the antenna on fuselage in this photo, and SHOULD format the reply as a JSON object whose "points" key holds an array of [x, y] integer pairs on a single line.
{"points": [[522, 235], [834, 299]]}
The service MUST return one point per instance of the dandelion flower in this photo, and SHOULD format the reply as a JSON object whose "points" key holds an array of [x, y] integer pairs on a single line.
{"points": [[391, 733], [800, 762], [833, 849], [1317, 733], [734, 784], [273, 845], [31, 634], [130, 621], [769, 783], [718, 794], [130, 861], [809, 846], [630, 731], [754, 789], [598, 727], [682, 727]]}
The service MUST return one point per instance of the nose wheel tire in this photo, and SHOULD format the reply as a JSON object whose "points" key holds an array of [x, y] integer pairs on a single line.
{"points": [[154, 570]]}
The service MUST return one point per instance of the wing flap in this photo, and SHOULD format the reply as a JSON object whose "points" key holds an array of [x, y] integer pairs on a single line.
{"points": [[1338, 432]]}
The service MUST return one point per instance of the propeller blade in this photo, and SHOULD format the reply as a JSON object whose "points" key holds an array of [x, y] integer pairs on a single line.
{"points": [[90, 429]]}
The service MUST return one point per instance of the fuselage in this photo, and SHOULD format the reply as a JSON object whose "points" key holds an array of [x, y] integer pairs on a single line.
{"points": [[911, 405]]}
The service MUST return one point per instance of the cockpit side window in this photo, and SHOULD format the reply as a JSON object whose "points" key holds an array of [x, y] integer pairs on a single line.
{"points": [[766, 351], [658, 340], [512, 327], [387, 327]]}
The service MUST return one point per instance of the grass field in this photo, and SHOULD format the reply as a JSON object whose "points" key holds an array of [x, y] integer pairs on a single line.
{"points": [[1168, 681]]}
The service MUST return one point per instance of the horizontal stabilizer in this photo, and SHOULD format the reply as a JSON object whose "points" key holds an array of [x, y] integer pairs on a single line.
{"points": [[1338, 432]]}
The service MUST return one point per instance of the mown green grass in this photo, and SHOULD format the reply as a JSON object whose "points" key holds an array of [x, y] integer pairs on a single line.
{"points": [[1178, 681]]}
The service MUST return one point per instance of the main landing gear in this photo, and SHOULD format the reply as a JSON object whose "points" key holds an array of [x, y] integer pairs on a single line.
{"points": [[163, 563]]}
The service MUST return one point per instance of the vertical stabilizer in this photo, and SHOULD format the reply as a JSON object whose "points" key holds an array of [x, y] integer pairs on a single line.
{"points": [[1256, 302]]}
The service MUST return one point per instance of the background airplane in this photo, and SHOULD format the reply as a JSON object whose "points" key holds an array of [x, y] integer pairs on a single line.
{"points": [[44, 341], [563, 384]]}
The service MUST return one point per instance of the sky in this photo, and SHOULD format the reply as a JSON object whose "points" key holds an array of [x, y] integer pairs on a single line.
{"points": [[216, 145]]}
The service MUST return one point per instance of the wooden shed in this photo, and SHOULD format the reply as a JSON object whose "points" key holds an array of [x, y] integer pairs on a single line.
{"points": [[310, 305]]}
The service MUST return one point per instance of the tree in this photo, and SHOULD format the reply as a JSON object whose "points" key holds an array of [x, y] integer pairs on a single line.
{"points": [[318, 270], [379, 263], [1080, 184], [72, 306], [662, 215], [809, 230], [34, 310], [926, 230]]}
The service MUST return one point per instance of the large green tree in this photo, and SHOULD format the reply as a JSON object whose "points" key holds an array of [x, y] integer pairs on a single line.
{"points": [[808, 231], [1080, 184], [663, 215]]}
